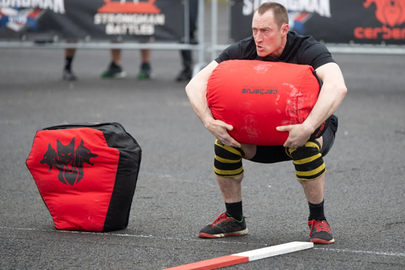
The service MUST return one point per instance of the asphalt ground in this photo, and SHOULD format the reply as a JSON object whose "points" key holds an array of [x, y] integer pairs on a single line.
{"points": [[177, 194]]}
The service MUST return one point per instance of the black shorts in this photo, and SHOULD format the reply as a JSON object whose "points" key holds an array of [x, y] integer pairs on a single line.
{"points": [[273, 154]]}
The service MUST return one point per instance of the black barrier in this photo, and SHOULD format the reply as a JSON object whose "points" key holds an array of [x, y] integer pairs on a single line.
{"points": [[332, 21], [361, 26], [52, 20]]}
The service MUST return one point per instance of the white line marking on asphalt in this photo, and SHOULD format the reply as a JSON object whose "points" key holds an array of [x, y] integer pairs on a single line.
{"points": [[380, 253], [393, 254], [9, 122]]}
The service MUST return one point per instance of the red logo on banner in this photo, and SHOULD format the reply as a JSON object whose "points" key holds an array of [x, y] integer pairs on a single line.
{"points": [[390, 13], [134, 6]]}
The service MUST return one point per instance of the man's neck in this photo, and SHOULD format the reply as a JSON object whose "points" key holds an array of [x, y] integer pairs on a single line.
{"points": [[276, 54]]}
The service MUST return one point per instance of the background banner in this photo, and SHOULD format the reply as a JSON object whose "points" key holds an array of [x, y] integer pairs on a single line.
{"points": [[45, 20], [332, 21]]}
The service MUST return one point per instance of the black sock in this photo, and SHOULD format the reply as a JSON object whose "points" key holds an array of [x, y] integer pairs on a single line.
{"points": [[114, 65], [316, 211], [234, 210], [68, 63]]}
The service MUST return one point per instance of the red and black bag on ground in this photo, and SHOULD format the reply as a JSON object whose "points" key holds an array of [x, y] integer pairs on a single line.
{"points": [[86, 174]]}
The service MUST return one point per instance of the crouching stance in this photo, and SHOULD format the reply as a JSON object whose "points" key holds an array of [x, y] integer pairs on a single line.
{"points": [[310, 172], [272, 41]]}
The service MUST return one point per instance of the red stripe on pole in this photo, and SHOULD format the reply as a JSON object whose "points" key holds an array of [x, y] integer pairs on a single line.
{"points": [[244, 257], [212, 263]]}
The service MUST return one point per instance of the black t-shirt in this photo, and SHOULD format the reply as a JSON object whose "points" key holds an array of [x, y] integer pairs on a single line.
{"points": [[298, 50]]}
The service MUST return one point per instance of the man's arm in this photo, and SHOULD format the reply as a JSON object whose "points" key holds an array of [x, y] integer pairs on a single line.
{"points": [[196, 91], [330, 97]]}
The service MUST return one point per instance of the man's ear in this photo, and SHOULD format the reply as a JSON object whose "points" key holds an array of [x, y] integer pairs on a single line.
{"points": [[284, 29]]}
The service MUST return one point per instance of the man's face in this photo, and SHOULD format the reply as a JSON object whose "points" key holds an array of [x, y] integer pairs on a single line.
{"points": [[269, 39]]}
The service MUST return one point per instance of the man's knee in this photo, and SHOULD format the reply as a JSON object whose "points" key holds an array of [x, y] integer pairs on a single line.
{"points": [[228, 160], [308, 161]]}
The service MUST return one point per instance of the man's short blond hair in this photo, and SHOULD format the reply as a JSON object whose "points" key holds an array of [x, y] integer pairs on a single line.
{"points": [[279, 11]]}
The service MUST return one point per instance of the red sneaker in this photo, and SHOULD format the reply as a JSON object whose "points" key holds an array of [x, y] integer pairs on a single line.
{"points": [[320, 232], [224, 226]]}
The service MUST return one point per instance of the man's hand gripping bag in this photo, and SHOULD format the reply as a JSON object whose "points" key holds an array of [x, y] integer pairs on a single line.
{"points": [[257, 96], [86, 174]]}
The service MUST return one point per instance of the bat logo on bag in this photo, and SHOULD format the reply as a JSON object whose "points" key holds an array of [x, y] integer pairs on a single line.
{"points": [[68, 160]]}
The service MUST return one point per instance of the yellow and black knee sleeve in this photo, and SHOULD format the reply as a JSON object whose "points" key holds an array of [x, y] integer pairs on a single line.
{"points": [[308, 161], [228, 160]]}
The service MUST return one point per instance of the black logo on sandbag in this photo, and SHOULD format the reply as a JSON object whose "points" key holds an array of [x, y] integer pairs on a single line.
{"points": [[260, 91], [68, 160]]}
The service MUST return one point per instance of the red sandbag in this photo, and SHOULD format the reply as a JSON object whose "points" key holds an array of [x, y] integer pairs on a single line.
{"points": [[86, 174], [257, 96]]}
